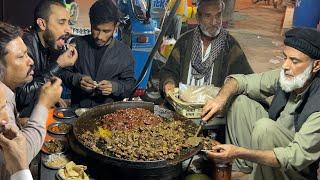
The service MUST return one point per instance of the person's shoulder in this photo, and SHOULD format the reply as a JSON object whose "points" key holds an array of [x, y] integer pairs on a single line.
{"points": [[123, 46], [186, 35], [29, 33], [10, 95], [82, 39], [271, 74], [123, 51], [231, 41], [230, 38], [84, 43], [29, 37]]}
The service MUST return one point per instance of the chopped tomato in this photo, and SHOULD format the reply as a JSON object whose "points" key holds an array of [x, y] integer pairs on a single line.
{"points": [[60, 114]]}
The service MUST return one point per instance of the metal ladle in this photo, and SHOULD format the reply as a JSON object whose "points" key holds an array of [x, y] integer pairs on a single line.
{"points": [[195, 140]]}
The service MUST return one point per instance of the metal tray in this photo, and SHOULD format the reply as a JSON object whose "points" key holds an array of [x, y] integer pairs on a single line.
{"points": [[46, 158], [80, 111], [45, 150], [51, 126], [68, 113]]}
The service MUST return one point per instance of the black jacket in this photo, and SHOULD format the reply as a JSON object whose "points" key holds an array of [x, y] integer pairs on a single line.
{"points": [[116, 65], [27, 96]]}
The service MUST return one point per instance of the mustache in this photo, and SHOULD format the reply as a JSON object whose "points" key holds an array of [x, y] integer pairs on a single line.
{"points": [[288, 73], [31, 69], [98, 40]]}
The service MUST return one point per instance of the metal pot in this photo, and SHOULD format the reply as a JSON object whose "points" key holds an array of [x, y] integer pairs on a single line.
{"points": [[87, 122]]}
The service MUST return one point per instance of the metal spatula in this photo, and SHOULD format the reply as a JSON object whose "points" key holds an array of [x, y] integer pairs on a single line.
{"points": [[202, 123], [195, 140]]}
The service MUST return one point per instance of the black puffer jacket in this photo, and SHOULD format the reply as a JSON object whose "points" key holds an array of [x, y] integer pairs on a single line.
{"points": [[116, 65], [27, 96]]}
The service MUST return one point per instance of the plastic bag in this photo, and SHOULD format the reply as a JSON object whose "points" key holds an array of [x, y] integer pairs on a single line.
{"points": [[197, 94]]}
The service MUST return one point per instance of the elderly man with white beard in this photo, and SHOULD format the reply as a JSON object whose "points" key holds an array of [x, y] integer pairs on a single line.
{"points": [[283, 141]]}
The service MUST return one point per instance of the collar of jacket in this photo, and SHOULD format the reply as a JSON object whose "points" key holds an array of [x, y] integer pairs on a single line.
{"points": [[220, 64], [40, 45]]}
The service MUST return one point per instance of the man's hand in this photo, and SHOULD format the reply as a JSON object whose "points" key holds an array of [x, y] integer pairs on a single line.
{"points": [[105, 87], [216, 105], [23, 122], [169, 86], [14, 149], [87, 84], [212, 108], [50, 93], [224, 153], [69, 57]]}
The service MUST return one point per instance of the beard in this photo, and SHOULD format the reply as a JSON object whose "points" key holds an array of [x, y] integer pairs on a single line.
{"points": [[210, 34], [206, 32], [296, 82], [100, 43], [49, 39]]}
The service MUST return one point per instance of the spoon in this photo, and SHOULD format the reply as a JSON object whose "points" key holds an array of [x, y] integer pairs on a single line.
{"points": [[195, 140]]}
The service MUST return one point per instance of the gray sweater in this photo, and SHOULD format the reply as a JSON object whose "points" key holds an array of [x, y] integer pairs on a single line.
{"points": [[34, 131]]}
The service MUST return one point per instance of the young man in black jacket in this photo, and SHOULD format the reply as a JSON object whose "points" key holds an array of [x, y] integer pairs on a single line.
{"points": [[44, 42], [104, 71]]}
